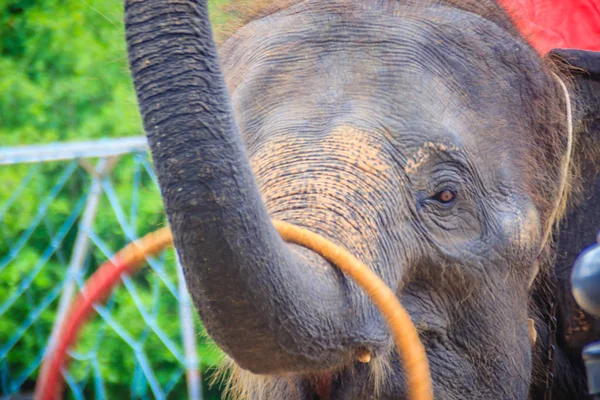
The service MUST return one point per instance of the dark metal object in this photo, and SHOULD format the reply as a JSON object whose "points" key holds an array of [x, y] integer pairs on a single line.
{"points": [[591, 357], [585, 282]]}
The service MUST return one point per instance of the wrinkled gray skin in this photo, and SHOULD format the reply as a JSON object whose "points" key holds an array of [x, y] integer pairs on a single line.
{"points": [[351, 119]]}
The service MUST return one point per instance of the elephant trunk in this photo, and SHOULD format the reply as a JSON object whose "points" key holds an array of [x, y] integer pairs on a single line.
{"points": [[271, 306]]}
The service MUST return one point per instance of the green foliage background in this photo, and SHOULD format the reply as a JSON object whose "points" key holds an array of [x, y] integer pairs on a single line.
{"points": [[64, 77]]}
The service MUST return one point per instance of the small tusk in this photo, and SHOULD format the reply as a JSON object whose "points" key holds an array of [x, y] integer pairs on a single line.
{"points": [[536, 270], [532, 331], [364, 357]]}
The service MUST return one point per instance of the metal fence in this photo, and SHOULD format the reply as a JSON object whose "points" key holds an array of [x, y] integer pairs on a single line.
{"points": [[64, 209]]}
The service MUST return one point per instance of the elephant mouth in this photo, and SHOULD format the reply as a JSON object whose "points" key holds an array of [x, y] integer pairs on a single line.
{"points": [[320, 386], [348, 383], [323, 386]]}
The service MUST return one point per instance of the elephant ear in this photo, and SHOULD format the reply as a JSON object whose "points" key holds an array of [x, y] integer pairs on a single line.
{"points": [[581, 223]]}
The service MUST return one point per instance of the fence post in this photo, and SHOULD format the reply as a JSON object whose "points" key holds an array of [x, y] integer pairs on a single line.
{"points": [[192, 367], [81, 245]]}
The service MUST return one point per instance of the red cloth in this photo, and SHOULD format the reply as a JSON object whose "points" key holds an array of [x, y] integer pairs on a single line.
{"points": [[549, 24]]}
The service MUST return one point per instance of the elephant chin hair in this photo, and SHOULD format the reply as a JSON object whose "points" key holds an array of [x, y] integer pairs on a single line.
{"points": [[240, 384]]}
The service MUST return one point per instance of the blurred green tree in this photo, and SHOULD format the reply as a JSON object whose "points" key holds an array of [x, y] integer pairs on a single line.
{"points": [[64, 77]]}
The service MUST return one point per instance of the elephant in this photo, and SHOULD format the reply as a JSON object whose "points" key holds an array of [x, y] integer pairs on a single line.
{"points": [[427, 138]]}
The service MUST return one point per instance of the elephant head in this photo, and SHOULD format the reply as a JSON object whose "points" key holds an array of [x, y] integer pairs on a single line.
{"points": [[425, 137]]}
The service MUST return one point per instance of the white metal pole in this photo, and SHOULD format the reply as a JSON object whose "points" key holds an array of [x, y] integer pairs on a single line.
{"points": [[80, 249], [193, 374]]}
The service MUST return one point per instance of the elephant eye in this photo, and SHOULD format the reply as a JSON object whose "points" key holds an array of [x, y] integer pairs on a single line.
{"points": [[446, 196]]}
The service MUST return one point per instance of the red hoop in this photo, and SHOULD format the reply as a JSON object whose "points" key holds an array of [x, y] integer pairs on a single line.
{"points": [[97, 288]]}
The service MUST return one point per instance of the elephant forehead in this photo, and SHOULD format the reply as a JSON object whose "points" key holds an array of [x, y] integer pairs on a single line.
{"points": [[303, 78]]}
